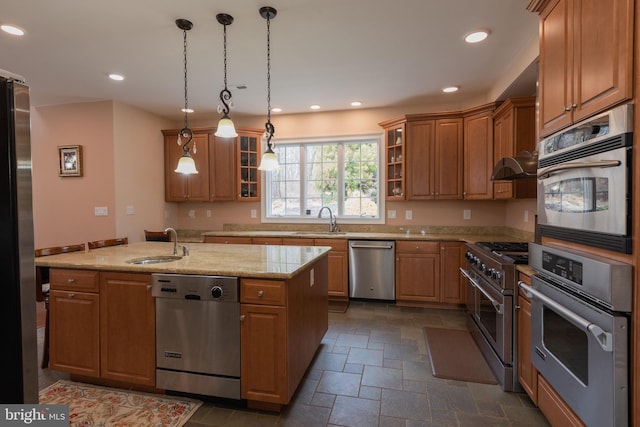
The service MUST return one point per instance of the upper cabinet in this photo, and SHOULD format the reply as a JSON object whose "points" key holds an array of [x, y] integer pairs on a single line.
{"points": [[514, 131], [586, 58], [478, 153], [394, 152], [227, 167]]}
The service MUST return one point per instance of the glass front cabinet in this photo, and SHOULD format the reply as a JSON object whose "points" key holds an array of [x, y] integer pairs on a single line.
{"points": [[248, 162], [394, 161]]}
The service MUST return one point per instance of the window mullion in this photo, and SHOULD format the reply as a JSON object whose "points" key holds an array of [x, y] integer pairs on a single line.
{"points": [[340, 180], [303, 181]]}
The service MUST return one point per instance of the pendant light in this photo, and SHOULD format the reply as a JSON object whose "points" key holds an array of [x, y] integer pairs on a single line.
{"points": [[269, 161], [186, 165], [225, 129]]}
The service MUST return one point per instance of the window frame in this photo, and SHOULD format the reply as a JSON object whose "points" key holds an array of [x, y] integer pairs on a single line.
{"points": [[306, 219]]}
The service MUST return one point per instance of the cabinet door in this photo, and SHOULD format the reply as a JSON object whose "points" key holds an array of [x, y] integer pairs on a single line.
{"points": [[338, 271], [179, 187], [417, 277], [603, 55], [527, 373], [447, 160], [248, 162], [478, 157], [503, 147], [395, 161], [452, 286], [556, 62], [264, 361], [420, 150], [127, 328], [75, 332], [554, 408], [222, 172]]}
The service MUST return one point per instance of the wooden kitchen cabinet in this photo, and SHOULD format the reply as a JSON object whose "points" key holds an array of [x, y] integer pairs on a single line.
{"points": [[233, 240], [74, 309], [266, 240], [338, 286], [127, 328], [186, 188], [478, 160], [514, 131], [248, 178], [222, 162], [395, 161], [586, 59], [282, 324], [417, 271], [527, 372], [554, 408], [452, 289]]}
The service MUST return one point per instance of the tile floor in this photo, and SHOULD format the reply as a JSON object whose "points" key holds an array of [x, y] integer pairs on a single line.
{"points": [[372, 369]]}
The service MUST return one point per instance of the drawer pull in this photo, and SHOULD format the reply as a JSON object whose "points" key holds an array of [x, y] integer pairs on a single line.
{"points": [[260, 294], [71, 295], [71, 280], [242, 318]]}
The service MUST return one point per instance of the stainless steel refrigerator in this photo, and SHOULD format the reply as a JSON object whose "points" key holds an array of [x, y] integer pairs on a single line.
{"points": [[18, 357]]}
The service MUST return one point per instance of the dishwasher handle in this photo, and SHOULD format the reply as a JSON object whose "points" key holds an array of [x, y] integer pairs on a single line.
{"points": [[360, 246]]}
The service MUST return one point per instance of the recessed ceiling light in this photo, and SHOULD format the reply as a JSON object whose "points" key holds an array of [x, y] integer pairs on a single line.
{"points": [[12, 30], [276, 110], [356, 103], [116, 77], [186, 110], [476, 36], [451, 89], [314, 107]]}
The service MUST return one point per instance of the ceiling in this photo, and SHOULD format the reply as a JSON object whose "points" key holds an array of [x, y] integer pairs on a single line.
{"points": [[325, 52]]}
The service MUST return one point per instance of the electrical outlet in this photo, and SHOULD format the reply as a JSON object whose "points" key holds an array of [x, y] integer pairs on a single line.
{"points": [[101, 211], [131, 210], [254, 213], [466, 214], [408, 214], [208, 213], [526, 216], [391, 214], [312, 277], [192, 213]]}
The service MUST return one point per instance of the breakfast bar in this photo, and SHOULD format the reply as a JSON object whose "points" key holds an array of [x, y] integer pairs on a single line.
{"points": [[103, 313]]}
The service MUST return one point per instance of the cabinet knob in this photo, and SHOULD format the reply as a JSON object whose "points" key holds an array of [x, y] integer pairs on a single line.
{"points": [[260, 294], [149, 287], [71, 295], [242, 318], [71, 280]]}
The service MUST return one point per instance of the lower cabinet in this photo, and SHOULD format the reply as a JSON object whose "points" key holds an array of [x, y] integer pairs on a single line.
{"points": [[428, 272], [102, 325], [557, 412], [127, 328], [527, 372]]}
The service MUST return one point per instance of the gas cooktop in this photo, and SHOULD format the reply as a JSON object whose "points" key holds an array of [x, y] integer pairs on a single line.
{"points": [[515, 252]]}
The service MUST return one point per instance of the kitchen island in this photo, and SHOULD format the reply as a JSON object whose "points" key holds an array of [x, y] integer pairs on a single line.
{"points": [[102, 313]]}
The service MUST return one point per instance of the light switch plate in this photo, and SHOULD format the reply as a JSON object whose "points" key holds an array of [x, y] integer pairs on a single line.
{"points": [[131, 210], [391, 214], [526, 216], [101, 211], [466, 214], [254, 213]]}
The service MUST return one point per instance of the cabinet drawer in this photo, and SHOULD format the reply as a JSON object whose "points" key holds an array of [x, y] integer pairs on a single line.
{"points": [[417, 247], [228, 240], [336, 244], [74, 280], [257, 291], [266, 241]]}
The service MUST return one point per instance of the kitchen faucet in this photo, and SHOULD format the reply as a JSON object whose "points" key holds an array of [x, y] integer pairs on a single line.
{"points": [[333, 225], [174, 237]]}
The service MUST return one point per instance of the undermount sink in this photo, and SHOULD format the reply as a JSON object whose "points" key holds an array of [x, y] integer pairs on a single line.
{"points": [[328, 233], [154, 259]]}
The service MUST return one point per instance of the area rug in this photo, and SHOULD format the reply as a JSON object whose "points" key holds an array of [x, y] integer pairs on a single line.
{"points": [[91, 405], [455, 355]]}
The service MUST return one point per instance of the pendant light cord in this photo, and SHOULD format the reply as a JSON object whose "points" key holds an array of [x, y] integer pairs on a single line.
{"points": [[225, 94], [269, 126]]}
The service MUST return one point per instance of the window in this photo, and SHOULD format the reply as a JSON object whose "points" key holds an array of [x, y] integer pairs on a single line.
{"points": [[341, 174]]}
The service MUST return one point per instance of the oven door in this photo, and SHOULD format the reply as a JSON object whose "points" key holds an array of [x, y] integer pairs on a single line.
{"points": [[491, 312], [581, 351]]}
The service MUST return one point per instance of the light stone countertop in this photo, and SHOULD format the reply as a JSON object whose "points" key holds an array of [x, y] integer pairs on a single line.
{"points": [[258, 261]]}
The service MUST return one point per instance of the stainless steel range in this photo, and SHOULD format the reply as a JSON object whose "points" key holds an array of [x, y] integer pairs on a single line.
{"points": [[491, 289]]}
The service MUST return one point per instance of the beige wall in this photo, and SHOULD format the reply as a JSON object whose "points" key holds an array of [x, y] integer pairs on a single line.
{"points": [[123, 166]]}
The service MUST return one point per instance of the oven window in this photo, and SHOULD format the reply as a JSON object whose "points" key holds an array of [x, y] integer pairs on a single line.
{"points": [[567, 343], [488, 317], [577, 195]]}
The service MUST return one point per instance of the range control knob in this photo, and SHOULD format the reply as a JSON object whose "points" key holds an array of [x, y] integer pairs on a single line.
{"points": [[483, 267], [489, 272], [216, 292], [496, 275]]}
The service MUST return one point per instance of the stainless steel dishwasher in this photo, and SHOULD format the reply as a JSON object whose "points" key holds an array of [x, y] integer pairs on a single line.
{"points": [[198, 334], [372, 269]]}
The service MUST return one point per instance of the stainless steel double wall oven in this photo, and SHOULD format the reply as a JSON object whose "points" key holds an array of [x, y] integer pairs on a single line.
{"points": [[580, 307]]}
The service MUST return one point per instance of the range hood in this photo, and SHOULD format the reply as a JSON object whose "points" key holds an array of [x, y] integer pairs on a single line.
{"points": [[524, 165]]}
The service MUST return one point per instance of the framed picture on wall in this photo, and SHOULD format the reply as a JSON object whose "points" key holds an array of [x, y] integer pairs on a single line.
{"points": [[70, 160]]}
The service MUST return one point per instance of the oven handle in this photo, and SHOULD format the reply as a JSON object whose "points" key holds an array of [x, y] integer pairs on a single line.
{"points": [[499, 307], [603, 338], [548, 171]]}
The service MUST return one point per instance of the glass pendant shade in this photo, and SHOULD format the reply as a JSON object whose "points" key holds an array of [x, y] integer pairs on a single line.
{"points": [[269, 161], [226, 129], [186, 165]]}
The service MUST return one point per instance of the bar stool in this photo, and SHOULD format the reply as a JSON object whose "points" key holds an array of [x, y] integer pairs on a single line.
{"points": [[42, 289], [108, 242]]}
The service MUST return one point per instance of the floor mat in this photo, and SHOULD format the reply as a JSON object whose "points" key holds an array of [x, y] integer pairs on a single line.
{"points": [[455, 355], [101, 406]]}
